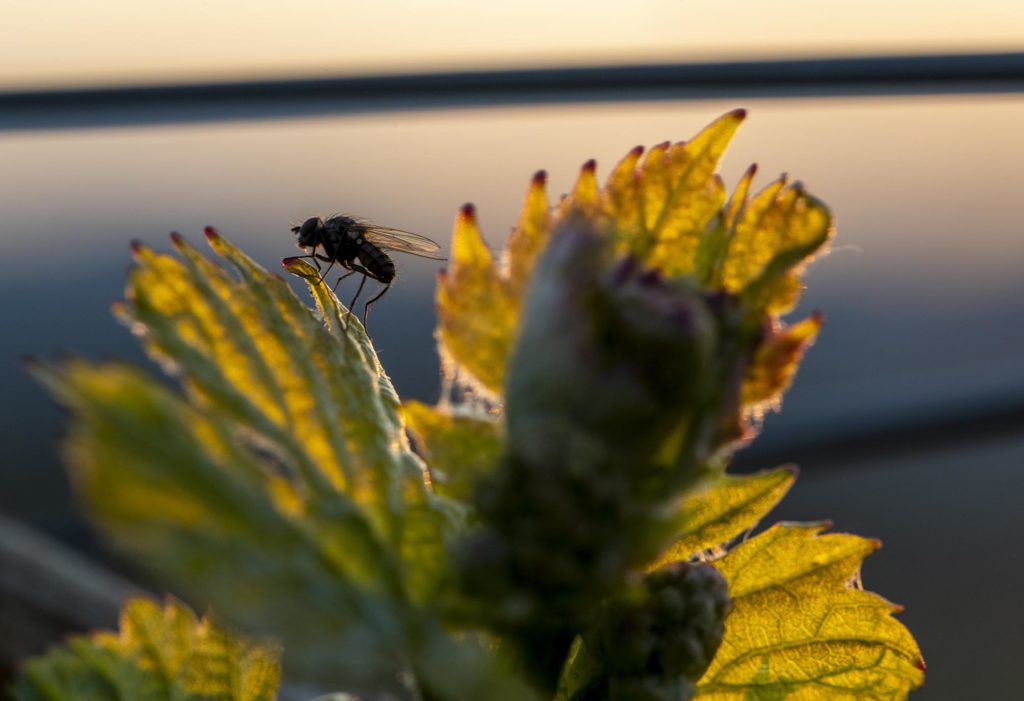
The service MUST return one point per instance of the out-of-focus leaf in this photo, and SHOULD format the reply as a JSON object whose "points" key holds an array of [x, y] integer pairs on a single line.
{"points": [[478, 299], [775, 362], [775, 233], [801, 626], [718, 512], [282, 487], [476, 315], [160, 653], [459, 447]]}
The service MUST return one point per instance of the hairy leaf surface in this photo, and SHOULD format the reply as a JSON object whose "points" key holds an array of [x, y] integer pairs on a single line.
{"points": [[281, 487]]}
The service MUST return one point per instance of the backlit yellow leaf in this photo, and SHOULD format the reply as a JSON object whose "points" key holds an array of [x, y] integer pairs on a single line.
{"points": [[284, 466], [776, 232], [718, 512], [159, 653], [459, 447], [775, 362], [802, 628], [476, 312]]}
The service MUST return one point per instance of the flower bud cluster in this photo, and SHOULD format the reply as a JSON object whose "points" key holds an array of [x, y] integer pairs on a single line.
{"points": [[614, 373], [671, 627]]}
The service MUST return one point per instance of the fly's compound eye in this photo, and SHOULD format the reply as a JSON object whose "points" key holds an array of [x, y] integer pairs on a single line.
{"points": [[307, 231]]}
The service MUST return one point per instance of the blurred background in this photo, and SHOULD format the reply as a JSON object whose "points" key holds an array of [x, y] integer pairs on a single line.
{"points": [[130, 120]]}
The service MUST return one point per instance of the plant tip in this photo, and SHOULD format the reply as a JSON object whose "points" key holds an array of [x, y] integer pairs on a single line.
{"points": [[176, 238], [739, 113], [137, 246], [468, 211], [589, 167], [210, 233], [540, 178]]}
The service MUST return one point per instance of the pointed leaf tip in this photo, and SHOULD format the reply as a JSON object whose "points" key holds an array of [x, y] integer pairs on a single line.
{"points": [[590, 167], [176, 238], [468, 212], [211, 233], [137, 246], [540, 178]]}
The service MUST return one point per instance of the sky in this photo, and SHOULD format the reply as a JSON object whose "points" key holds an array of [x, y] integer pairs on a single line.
{"points": [[69, 42]]}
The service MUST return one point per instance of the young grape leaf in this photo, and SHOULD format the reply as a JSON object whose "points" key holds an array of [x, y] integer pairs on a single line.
{"points": [[281, 488], [668, 209], [721, 509], [773, 236], [775, 363], [660, 208], [160, 653], [458, 446], [801, 626], [478, 299]]}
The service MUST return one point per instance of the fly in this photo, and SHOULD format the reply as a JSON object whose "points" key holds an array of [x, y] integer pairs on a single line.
{"points": [[359, 247]]}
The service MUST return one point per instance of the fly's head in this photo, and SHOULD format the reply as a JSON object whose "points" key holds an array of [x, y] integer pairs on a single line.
{"points": [[310, 233]]}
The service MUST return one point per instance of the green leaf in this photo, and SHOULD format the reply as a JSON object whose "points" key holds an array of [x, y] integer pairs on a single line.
{"points": [[281, 488], [719, 511], [801, 626], [458, 446], [159, 654]]}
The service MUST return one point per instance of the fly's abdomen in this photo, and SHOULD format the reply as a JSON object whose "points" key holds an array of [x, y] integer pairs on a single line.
{"points": [[377, 262]]}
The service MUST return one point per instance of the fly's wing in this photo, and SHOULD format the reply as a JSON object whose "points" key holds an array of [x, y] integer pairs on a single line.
{"points": [[403, 241]]}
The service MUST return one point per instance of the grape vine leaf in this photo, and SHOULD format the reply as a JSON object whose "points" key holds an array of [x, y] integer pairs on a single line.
{"points": [[159, 653], [801, 626], [459, 446], [667, 208], [721, 508], [281, 487]]}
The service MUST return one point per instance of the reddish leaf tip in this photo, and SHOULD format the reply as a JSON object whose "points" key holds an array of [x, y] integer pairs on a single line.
{"points": [[636, 151], [739, 113], [137, 246], [176, 238], [589, 166], [468, 212], [211, 233], [920, 664], [285, 262], [818, 317], [540, 178]]}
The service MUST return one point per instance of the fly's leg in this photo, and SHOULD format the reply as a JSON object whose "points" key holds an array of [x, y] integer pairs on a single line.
{"points": [[323, 275], [336, 282], [366, 307]]}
